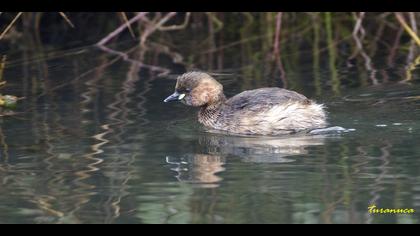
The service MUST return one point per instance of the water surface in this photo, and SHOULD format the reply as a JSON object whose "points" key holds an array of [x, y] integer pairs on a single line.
{"points": [[102, 147]]}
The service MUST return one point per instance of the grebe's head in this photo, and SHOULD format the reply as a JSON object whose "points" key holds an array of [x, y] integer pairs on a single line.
{"points": [[196, 89]]}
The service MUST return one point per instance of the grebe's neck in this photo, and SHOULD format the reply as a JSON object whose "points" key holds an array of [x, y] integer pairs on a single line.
{"points": [[209, 113]]}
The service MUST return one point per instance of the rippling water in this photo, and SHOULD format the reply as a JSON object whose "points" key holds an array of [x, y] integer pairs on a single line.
{"points": [[104, 148]]}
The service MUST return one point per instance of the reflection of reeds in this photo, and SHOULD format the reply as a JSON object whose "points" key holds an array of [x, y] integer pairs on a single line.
{"points": [[2, 66], [119, 160], [332, 54], [118, 120], [316, 61], [410, 68], [378, 185], [4, 147]]}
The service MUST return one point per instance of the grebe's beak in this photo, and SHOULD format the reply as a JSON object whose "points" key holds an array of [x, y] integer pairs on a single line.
{"points": [[175, 97]]}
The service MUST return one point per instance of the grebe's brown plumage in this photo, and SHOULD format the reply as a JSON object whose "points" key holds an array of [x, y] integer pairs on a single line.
{"points": [[265, 111]]}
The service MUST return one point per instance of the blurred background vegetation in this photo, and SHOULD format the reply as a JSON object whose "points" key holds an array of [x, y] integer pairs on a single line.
{"points": [[252, 45]]}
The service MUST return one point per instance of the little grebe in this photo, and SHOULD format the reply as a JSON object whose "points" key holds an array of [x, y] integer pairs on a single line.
{"points": [[263, 111]]}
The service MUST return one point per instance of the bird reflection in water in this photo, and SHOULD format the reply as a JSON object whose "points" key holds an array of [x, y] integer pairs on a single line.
{"points": [[203, 168], [199, 169]]}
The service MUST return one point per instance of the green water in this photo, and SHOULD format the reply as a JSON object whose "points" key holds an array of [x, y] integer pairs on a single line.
{"points": [[106, 149]]}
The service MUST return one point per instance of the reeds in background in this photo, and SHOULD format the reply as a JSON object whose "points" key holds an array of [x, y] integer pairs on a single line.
{"points": [[254, 44]]}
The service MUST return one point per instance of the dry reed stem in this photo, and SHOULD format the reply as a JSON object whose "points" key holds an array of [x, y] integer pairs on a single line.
{"points": [[358, 27], [125, 57], [121, 28], [277, 35], [66, 19], [10, 25], [124, 16], [413, 22], [407, 28], [149, 30], [177, 27]]}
